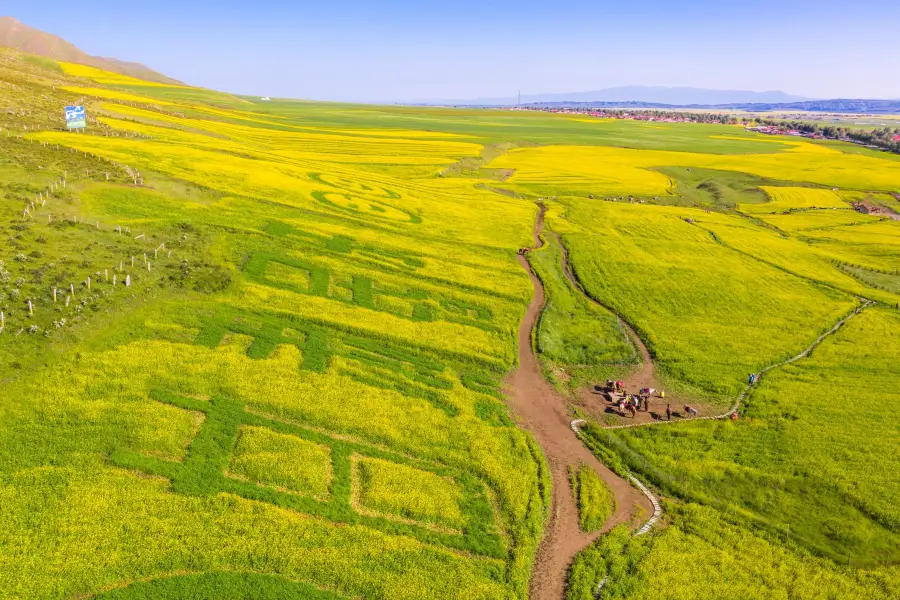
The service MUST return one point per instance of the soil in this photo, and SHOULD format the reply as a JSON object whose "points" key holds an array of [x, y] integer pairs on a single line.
{"points": [[597, 403], [542, 411]]}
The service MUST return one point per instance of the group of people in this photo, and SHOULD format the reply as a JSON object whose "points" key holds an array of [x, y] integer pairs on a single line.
{"points": [[632, 403], [640, 402]]}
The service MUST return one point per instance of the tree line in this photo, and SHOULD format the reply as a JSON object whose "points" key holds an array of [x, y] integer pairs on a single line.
{"points": [[885, 138]]}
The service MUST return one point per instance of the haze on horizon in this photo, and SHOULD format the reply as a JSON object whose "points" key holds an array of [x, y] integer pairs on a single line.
{"points": [[401, 50]]}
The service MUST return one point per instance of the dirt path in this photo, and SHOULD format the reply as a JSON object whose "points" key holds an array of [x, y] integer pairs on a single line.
{"points": [[542, 411], [737, 403], [644, 377]]}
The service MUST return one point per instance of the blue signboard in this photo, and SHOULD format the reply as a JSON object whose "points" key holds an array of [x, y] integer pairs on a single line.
{"points": [[75, 117]]}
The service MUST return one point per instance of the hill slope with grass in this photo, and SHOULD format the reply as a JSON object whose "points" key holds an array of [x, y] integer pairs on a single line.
{"points": [[17, 35]]}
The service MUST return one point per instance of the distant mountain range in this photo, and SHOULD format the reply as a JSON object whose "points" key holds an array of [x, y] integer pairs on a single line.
{"points": [[19, 36], [637, 97], [673, 96], [844, 106]]}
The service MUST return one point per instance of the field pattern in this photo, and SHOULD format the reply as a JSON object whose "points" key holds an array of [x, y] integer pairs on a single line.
{"points": [[703, 555], [261, 350], [307, 381]]}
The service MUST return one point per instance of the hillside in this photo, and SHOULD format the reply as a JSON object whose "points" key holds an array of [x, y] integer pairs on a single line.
{"points": [[316, 351], [17, 35]]}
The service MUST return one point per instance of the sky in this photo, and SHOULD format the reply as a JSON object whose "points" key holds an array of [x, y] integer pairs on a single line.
{"points": [[407, 50]]}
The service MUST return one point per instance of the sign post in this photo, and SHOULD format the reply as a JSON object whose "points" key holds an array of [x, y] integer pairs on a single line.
{"points": [[75, 117]]}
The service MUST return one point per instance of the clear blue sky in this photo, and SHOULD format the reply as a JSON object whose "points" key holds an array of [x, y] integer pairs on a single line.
{"points": [[395, 50]]}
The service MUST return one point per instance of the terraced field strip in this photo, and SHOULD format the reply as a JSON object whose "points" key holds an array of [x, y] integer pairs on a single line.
{"points": [[646, 375], [740, 399], [542, 411]]}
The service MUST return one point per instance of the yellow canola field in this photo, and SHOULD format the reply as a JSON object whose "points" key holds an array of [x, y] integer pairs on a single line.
{"points": [[817, 219], [320, 172], [114, 95], [108, 77], [579, 170], [793, 198], [327, 145]]}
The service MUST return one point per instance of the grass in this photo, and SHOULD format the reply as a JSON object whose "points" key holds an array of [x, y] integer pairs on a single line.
{"points": [[711, 187], [577, 340], [791, 462], [309, 388], [219, 586], [701, 554], [885, 280], [595, 501]]}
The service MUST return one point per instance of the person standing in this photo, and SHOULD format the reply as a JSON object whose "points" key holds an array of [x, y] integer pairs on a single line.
{"points": [[668, 412]]}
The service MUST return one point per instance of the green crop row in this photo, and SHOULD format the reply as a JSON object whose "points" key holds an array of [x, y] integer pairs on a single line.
{"points": [[595, 501], [203, 473], [219, 586]]}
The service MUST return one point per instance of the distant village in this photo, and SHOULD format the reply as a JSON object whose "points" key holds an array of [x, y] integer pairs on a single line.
{"points": [[884, 138]]}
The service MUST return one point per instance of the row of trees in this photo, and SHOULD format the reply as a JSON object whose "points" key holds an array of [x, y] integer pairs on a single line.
{"points": [[885, 138]]}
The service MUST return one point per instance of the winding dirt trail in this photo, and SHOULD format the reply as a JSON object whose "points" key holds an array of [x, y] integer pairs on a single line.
{"points": [[643, 377], [543, 412]]}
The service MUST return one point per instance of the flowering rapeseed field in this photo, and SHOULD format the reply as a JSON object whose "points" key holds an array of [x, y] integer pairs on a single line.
{"points": [[300, 388], [309, 388]]}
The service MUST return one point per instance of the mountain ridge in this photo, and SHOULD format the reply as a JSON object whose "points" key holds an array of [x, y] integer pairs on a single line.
{"points": [[19, 36]]}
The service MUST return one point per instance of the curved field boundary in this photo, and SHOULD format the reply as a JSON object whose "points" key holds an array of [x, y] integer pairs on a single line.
{"points": [[648, 368], [540, 409], [631, 332], [740, 399], [657, 507]]}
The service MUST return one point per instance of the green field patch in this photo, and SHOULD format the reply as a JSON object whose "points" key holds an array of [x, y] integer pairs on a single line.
{"points": [[353, 186], [301, 277], [344, 202], [371, 209], [595, 500], [219, 586], [400, 491], [574, 335], [714, 187], [882, 279], [282, 461], [378, 363], [217, 448], [342, 244]]}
